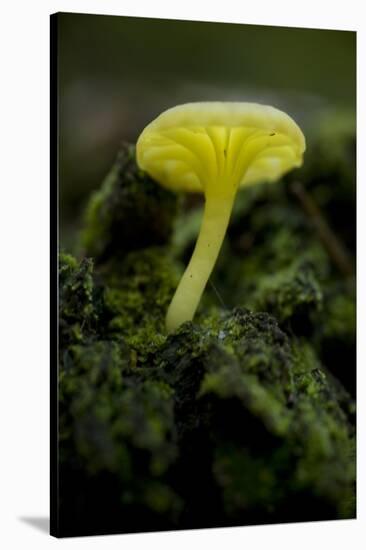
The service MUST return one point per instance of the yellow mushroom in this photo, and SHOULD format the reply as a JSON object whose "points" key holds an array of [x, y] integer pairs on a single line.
{"points": [[215, 148]]}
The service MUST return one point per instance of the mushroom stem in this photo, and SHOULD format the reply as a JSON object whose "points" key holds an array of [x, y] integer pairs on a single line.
{"points": [[192, 284]]}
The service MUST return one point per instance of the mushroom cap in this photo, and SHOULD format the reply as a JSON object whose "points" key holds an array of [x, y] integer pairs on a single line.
{"points": [[211, 146]]}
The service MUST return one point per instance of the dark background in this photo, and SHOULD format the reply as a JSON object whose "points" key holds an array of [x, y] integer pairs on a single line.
{"points": [[117, 73]]}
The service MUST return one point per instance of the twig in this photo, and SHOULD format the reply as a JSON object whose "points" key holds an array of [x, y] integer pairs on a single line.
{"points": [[331, 242]]}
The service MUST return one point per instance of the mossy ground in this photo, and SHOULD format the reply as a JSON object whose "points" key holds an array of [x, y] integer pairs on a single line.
{"points": [[244, 416]]}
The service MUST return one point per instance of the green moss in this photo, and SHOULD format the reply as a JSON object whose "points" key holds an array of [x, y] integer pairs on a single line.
{"points": [[335, 337], [137, 296], [249, 482], [340, 312], [291, 294], [118, 427], [243, 416], [129, 212], [223, 411], [298, 423], [79, 301]]}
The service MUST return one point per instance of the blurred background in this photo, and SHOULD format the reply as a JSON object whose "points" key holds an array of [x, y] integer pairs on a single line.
{"points": [[118, 73]]}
